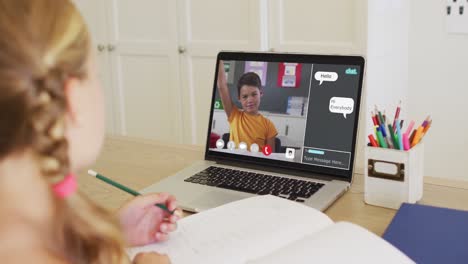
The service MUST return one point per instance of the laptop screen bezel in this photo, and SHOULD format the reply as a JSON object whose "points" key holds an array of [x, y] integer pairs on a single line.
{"points": [[300, 168]]}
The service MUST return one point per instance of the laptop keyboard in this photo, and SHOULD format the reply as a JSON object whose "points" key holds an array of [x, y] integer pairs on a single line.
{"points": [[256, 183]]}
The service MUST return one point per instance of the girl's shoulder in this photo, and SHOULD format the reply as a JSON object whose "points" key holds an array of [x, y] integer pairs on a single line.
{"points": [[18, 244], [28, 255]]}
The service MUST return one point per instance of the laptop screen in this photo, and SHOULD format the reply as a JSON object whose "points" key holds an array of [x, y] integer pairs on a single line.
{"points": [[286, 110]]}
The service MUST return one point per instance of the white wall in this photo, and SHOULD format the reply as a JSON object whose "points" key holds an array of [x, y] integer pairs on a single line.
{"points": [[411, 57], [438, 85], [387, 57]]}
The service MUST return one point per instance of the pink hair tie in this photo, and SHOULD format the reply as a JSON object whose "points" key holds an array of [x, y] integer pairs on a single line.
{"points": [[66, 187]]}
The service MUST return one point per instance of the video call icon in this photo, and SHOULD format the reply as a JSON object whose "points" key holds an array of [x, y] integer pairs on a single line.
{"points": [[290, 153], [243, 146], [219, 144], [254, 148], [231, 145], [267, 150]]}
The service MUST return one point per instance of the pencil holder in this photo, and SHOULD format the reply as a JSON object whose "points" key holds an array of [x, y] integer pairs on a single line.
{"points": [[393, 176]]}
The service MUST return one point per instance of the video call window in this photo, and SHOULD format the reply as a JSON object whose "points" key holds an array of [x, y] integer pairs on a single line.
{"points": [[285, 111]]}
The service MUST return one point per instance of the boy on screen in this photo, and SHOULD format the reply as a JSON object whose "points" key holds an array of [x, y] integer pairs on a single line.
{"points": [[246, 124]]}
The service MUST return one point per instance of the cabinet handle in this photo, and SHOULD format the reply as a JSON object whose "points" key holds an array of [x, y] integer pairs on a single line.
{"points": [[287, 130], [110, 47], [101, 47], [182, 49]]}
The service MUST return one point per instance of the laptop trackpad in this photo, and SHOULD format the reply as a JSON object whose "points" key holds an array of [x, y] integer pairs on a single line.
{"points": [[213, 199]]}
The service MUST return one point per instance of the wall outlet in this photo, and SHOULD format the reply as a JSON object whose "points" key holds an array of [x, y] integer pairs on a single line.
{"points": [[456, 13]]}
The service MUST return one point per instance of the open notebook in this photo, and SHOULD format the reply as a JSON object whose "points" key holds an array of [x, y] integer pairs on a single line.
{"points": [[268, 229]]}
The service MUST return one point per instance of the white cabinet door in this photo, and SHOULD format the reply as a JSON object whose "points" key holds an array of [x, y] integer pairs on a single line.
{"points": [[320, 27], [279, 122], [206, 27], [295, 127], [220, 124], [290, 129], [95, 15], [145, 68], [316, 26]]}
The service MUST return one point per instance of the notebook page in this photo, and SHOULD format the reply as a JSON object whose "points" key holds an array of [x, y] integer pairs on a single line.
{"points": [[239, 231], [339, 243]]}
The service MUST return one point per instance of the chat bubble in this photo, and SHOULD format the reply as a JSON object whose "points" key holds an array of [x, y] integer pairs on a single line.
{"points": [[341, 105], [326, 76]]}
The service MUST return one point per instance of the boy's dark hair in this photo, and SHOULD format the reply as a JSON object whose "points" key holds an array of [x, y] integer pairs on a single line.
{"points": [[249, 78]]}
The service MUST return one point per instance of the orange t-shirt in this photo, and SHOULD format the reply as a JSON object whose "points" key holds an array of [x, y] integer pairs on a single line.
{"points": [[250, 128]]}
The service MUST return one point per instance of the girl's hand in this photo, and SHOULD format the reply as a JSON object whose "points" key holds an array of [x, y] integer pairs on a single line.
{"points": [[150, 258], [144, 223]]}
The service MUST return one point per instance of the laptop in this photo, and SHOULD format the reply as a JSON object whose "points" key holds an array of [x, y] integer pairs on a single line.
{"points": [[297, 140]]}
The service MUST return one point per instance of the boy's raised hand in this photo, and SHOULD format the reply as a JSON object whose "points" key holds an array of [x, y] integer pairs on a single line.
{"points": [[221, 75], [224, 89]]}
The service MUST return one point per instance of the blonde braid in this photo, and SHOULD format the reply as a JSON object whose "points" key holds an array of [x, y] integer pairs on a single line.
{"points": [[44, 43], [80, 225], [48, 123]]}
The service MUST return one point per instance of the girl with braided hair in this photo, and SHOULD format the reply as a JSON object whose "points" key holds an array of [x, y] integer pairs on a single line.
{"points": [[51, 126]]}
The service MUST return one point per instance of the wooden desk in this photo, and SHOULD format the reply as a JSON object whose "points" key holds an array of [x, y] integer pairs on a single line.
{"points": [[138, 163]]}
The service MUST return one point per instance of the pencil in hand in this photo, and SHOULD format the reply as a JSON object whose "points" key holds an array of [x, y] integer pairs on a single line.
{"points": [[124, 188]]}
